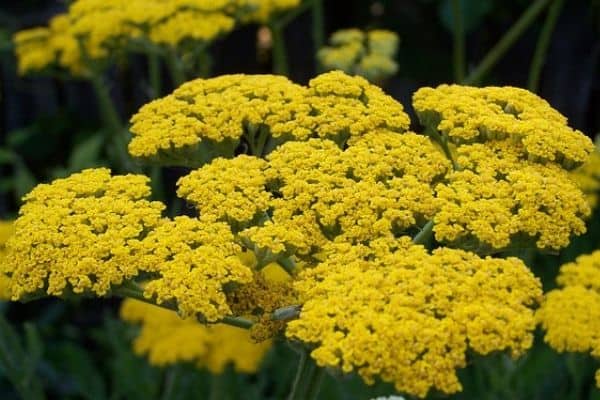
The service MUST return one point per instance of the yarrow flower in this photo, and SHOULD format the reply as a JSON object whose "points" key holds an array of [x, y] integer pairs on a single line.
{"points": [[92, 31], [205, 118], [587, 178], [368, 54], [394, 311], [570, 315], [167, 339], [78, 234]]}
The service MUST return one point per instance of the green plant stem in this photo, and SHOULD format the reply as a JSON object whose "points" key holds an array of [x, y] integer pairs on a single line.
{"points": [[443, 142], [154, 74], [175, 67], [318, 28], [171, 376], [424, 234], [204, 63], [116, 131], [539, 57], [130, 289], [280, 64], [509, 38], [308, 378], [459, 41]]}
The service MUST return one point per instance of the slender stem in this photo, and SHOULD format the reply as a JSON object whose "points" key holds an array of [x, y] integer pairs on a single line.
{"points": [[318, 28], [113, 123], [288, 264], [154, 74], [293, 13], [459, 41], [170, 378], [308, 378], [443, 142], [280, 65], [204, 63], [509, 38], [539, 57], [423, 236], [130, 289], [175, 67]]}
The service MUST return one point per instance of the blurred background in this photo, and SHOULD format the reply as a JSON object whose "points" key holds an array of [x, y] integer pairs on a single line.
{"points": [[46, 121]]}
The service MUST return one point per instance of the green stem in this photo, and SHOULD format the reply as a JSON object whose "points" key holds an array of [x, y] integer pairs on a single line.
{"points": [[539, 57], [443, 142], [116, 138], [459, 41], [509, 38], [308, 378], [204, 63], [154, 75], [426, 232], [318, 28], [170, 379], [280, 64], [285, 20], [176, 68], [130, 289]]}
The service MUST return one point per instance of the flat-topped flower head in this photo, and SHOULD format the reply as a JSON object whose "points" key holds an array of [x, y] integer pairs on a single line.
{"points": [[6, 231], [587, 178], [570, 315], [167, 339], [263, 11], [468, 114], [497, 200], [206, 118], [368, 54], [77, 233], [394, 312]]}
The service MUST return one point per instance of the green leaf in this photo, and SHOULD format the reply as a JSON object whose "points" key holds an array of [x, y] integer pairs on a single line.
{"points": [[81, 369], [86, 154], [473, 12]]}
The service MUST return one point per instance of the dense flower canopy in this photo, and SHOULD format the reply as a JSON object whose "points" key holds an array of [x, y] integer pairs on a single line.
{"points": [[570, 315], [6, 231], [324, 186], [205, 118], [94, 30]]}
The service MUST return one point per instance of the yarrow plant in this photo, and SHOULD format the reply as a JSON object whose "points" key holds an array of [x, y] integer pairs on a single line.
{"points": [[388, 247], [369, 54]]}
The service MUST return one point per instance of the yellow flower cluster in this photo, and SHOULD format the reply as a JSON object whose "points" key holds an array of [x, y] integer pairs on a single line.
{"points": [[6, 231], [231, 190], [467, 114], [510, 187], [194, 260], [368, 54], [378, 187], [266, 10], [570, 315], [167, 339], [394, 311], [79, 234], [206, 118], [587, 178], [497, 200], [91, 30]]}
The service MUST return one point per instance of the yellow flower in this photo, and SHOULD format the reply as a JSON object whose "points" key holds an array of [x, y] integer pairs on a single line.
{"points": [[76, 234], [394, 311], [587, 178], [368, 54], [570, 315], [466, 114], [207, 118], [192, 261], [266, 10], [167, 339], [497, 200], [231, 190]]}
